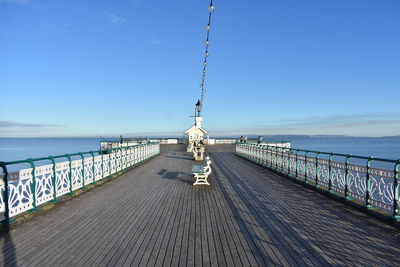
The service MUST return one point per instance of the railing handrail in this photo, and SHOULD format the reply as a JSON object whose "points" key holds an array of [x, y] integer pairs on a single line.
{"points": [[329, 153]]}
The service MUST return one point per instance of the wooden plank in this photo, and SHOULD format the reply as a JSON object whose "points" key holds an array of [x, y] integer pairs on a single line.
{"points": [[147, 251], [160, 245]]}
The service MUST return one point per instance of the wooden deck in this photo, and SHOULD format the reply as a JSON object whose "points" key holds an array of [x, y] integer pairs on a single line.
{"points": [[152, 215]]}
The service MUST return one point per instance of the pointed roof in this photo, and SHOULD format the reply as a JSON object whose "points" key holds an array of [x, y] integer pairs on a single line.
{"points": [[194, 126]]}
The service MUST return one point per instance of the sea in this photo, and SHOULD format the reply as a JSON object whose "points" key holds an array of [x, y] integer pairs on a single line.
{"points": [[22, 148]]}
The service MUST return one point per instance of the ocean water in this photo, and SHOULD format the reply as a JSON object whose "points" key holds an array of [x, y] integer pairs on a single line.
{"points": [[388, 148], [12, 149], [23, 148]]}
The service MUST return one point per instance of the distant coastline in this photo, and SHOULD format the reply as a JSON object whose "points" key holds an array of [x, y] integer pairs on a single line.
{"points": [[276, 137]]}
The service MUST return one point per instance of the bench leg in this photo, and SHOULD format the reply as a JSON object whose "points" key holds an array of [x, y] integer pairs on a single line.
{"points": [[201, 179]]}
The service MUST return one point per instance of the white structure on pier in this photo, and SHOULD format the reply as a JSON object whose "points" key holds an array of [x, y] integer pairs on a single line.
{"points": [[196, 139], [196, 132]]}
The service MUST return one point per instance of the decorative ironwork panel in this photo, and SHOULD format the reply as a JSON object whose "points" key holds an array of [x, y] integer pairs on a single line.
{"points": [[381, 188], [286, 162], [338, 178], [129, 161], [62, 178], [323, 173], [279, 160], [273, 158], [136, 155], [264, 155], [106, 165], [2, 188], [357, 178], [301, 166], [118, 160], [88, 168], [20, 197], [113, 163], [124, 159], [98, 173], [44, 184], [311, 168], [76, 174]]}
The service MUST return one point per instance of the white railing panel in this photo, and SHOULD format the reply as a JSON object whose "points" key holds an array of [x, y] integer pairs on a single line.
{"points": [[98, 172], [20, 197], [62, 178], [76, 174], [88, 170], [44, 184]]}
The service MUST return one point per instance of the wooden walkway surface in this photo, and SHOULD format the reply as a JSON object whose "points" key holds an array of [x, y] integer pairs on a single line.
{"points": [[153, 216]]}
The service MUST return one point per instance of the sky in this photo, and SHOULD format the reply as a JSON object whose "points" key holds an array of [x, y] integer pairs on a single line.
{"points": [[133, 67]]}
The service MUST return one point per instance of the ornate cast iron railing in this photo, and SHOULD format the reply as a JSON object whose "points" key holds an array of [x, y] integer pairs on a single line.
{"points": [[367, 181], [29, 188]]}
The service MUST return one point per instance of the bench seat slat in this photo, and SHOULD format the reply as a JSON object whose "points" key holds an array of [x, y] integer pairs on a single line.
{"points": [[198, 169]]}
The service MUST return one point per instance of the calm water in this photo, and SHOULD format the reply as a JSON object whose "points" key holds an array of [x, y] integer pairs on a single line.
{"points": [[22, 148], [388, 148]]}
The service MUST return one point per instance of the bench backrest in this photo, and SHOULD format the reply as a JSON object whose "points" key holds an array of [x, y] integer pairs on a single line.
{"points": [[207, 169]]}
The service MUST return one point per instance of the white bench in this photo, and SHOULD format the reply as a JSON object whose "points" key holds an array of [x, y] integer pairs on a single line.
{"points": [[201, 172]]}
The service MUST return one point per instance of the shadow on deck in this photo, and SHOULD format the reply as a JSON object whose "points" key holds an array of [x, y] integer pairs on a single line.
{"points": [[153, 215]]}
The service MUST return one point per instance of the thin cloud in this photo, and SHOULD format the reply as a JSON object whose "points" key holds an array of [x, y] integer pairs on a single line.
{"points": [[112, 18], [21, 2], [10, 124], [9, 34], [352, 124], [366, 123], [332, 121], [155, 41]]}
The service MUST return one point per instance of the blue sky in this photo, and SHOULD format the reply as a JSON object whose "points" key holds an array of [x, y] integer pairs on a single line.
{"points": [[132, 67]]}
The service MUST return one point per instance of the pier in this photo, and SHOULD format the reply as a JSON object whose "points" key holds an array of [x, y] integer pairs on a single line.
{"points": [[152, 215]]}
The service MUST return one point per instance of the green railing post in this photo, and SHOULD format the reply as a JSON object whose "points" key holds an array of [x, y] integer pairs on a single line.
{"points": [[288, 152], [367, 183], [317, 168], [289, 170], [253, 156], [33, 185], [297, 165], [276, 158], [118, 161], [7, 219], [396, 172], [83, 170], [102, 165], [283, 156], [93, 168], [109, 162], [54, 180], [70, 173], [134, 155], [346, 177], [330, 172], [305, 166], [283, 153], [265, 155]]}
